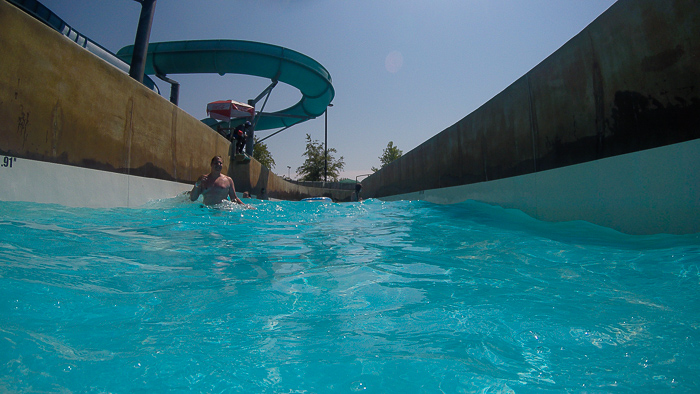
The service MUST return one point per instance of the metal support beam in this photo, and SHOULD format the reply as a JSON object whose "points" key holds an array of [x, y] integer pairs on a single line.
{"points": [[143, 34], [273, 134], [174, 88], [251, 131], [265, 92]]}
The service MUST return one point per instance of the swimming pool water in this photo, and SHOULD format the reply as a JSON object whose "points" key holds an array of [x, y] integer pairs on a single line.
{"points": [[315, 297]]}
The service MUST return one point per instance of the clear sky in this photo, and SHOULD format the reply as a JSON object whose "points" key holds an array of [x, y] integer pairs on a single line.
{"points": [[403, 70]]}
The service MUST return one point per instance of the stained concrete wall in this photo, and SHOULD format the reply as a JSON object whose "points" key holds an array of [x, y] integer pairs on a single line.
{"points": [[61, 104], [628, 82]]}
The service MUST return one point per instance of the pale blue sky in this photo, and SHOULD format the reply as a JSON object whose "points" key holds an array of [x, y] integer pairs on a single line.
{"points": [[402, 70]]}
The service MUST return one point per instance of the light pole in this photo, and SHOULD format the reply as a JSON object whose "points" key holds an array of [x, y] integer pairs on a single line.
{"points": [[325, 157]]}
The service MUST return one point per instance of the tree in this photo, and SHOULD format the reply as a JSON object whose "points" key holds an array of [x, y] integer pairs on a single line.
{"points": [[313, 167], [262, 155], [391, 153]]}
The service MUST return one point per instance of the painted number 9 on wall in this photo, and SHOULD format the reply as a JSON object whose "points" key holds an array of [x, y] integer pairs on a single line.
{"points": [[7, 161]]}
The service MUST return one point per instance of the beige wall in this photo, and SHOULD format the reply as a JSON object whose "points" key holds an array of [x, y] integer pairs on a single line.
{"points": [[59, 103]]}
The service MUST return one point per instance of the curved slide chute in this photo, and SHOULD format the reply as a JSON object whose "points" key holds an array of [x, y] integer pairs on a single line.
{"points": [[248, 58]]}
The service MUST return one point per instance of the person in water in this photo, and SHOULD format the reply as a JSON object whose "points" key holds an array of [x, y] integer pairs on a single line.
{"points": [[215, 186], [356, 195]]}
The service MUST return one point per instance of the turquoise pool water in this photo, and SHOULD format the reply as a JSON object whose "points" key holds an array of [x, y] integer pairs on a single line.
{"points": [[300, 297]]}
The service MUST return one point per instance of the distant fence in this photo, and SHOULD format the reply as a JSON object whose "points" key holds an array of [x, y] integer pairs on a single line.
{"points": [[324, 185]]}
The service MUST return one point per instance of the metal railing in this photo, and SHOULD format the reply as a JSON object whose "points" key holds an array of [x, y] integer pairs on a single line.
{"points": [[49, 18]]}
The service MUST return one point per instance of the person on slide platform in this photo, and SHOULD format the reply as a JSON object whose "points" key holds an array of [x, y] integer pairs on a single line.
{"points": [[240, 134]]}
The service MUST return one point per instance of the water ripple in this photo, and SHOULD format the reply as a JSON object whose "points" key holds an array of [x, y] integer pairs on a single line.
{"points": [[380, 296]]}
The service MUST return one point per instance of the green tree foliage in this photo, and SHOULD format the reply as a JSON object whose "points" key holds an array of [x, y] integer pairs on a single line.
{"points": [[391, 153], [262, 154], [313, 167]]}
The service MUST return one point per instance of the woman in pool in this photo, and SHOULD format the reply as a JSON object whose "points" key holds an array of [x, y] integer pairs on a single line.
{"points": [[215, 186]]}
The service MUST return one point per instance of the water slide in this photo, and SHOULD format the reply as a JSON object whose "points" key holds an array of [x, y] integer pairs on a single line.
{"points": [[248, 58]]}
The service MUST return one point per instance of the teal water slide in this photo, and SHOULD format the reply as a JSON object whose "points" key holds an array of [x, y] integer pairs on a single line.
{"points": [[248, 58]]}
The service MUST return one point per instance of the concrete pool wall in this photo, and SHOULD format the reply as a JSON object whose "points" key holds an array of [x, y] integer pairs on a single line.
{"points": [[61, 104], [629, 83]]}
